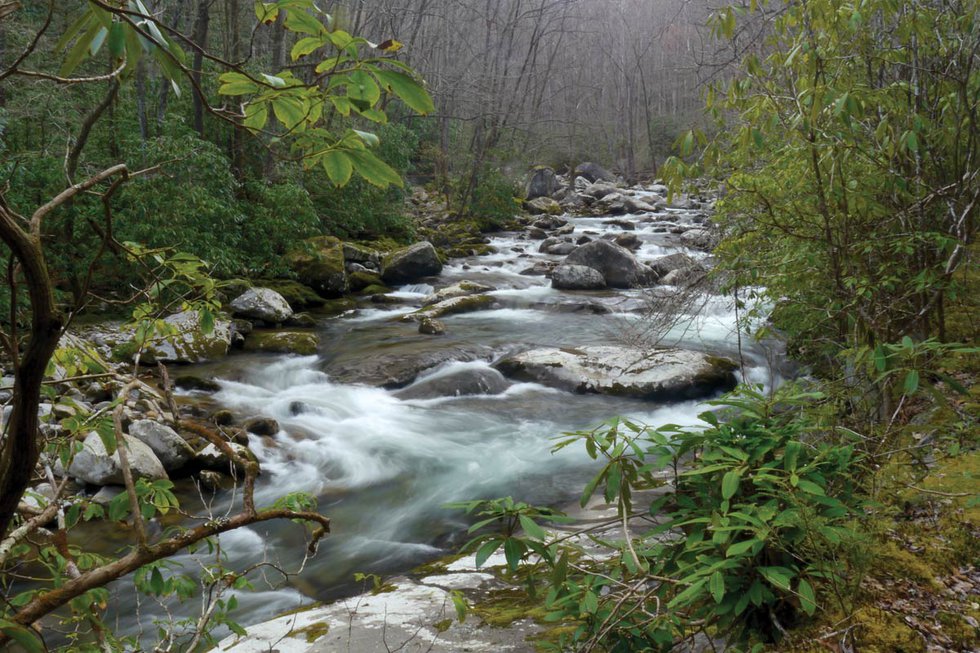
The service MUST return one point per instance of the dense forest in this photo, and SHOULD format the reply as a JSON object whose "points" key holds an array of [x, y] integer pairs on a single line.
{"points": [[264, 260]]}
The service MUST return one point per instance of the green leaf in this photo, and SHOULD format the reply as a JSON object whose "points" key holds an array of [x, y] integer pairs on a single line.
{"points": [[486, 550], [407, 89], [810, 487], [533, 530], [117, 40], [729, 484], [374, 170], [307, 45], [256, 116], [778, 576], [299, 21], [338, 166], [77, 54], [24, 637], [742, 547], [513, 551], [289, 110], [717, 586], [911, 382], [808, 598], [236, 84]]}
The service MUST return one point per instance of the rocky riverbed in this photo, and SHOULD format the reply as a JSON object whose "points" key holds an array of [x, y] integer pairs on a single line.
{"points": [[412, 380]]}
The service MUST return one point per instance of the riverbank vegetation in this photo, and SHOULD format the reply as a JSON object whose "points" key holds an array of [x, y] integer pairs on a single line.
{"points": [[805, 517]]}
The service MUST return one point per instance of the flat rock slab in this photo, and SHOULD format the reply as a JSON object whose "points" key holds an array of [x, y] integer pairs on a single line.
{"points": [[409, 616], [665, 374]]}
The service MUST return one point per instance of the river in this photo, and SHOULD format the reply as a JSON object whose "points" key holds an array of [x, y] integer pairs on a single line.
{"points": [[382, 467]]}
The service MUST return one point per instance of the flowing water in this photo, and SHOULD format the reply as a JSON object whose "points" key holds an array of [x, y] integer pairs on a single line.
{"points": [[383, 468]]}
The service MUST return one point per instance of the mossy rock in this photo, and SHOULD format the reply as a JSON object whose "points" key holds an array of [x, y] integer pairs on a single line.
{"points": [[338, 306], [185, 343], [229, 289], [453, 306], [298, 295], [376, 289], [319, 263], [361, 280], [303, 343]]}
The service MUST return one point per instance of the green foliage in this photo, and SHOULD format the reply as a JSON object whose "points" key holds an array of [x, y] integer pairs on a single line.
{"points": [[851, 199], [493, 201], [361, 210], [746, 542]]}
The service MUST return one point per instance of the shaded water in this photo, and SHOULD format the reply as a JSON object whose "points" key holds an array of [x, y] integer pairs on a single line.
{"points": [[382, 468]]}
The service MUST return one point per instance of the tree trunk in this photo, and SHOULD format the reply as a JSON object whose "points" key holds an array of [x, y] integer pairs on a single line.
{"points": [[200, 38]]}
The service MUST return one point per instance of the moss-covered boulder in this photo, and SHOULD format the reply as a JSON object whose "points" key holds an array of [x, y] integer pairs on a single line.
{"points": [[283, 342], [410, 263], [543, 205], [299, 296], [184, 341], [461, 289], [376, 289], [338, 306], [319, 263], [361, 280]]}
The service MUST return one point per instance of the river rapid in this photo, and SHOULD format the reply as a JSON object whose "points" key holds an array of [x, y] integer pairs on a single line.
{"points": [[383, 468]]}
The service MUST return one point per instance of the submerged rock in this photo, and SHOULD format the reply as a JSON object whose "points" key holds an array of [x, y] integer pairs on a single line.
{"points": [[457, 383], [461, 289], [411, 263], [303, 343], [662, 375], [452, 306], [394, 371]]}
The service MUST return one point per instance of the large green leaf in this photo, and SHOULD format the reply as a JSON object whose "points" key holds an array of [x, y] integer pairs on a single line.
{"points": [[374, 170], [338, 166], [410, 91]]}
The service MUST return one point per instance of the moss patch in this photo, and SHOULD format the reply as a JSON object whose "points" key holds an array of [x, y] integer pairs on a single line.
{"points": [[283, 342], [312, 632]]}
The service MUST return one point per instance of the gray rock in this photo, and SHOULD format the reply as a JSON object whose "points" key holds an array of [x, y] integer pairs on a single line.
{"points": [[171, 449], [431, 327], [601, 190], [188, 343], [542, 182], [662, 375], [593, 172], [543, 205], [559, 246], [457, 383], [397, 370], [550, 222], [702, 239], [461, 289], [634, 205], [262, 304], [577, 277], [685, 276], [617, 265], [213, 458], [628, 241], [365, 256], [411, 263], [452, 306], [94, 465], [666, 264]]}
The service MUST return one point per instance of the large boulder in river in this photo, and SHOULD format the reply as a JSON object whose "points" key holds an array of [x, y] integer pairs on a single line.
{"points": [[319, 263], [185, 342], [94, 465], [456, 382], [452, 306], [666, 264], [662, 375], [543, 206], [303, 343], [171, 449], [395, 370], [262, 304], [593, 172], [617, 265], [577, 277], [411, 263], [542, 182]]}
